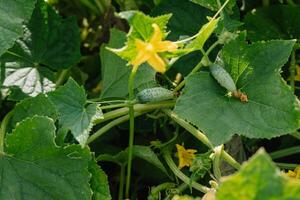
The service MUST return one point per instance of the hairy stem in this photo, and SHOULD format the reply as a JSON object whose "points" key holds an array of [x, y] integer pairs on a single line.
{"points": [[285, 152], [291, 166], [3, 131], [131, 130], [200, 136], [110, 125], [137, 108], [217, 161], [121, 185], [62, 77]]}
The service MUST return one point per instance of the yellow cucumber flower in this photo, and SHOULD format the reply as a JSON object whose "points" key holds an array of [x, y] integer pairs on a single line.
{"points": [[295, 173], [148, 51], [185, 156]]}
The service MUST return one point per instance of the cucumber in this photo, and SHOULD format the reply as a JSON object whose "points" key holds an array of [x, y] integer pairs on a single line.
{"points": [[154, 95], [223, 77]]}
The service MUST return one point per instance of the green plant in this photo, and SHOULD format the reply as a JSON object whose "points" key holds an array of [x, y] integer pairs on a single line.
{"points": [[187, 73]]}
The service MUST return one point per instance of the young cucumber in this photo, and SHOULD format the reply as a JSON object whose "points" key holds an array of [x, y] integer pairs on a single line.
{"points": [[154, 95], [223, 77]]}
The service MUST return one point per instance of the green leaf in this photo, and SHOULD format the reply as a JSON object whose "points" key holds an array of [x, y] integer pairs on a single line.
{"points": [[142, 152], [141, 28], [49, 43], [258, 179], [213, 4], [39, 105], [115, 72], [273, 22], [74, 113], [99, 182], [203, 35], [187, 18], [34, 167], [204, 102], [13, 14]]}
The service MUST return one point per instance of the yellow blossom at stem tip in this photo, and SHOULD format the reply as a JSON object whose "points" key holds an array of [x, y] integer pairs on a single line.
{"points": [[148, 51], [185, 156], [295, 173]]}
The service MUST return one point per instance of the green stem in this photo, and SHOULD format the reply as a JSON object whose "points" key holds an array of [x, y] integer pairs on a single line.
{"points": [[121, 185], [110, 125], [156, 190], [217, 161], [292, 70], [200, 136], [181, 175], [3, 131], [131, 130], [296, 135], [291, 166], [114, 106], [62, 77], [285, 152], [137, 108]]}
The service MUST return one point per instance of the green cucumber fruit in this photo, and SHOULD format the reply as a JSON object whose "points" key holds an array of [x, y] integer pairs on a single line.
{"points": [[154, 95], [223, 77]]}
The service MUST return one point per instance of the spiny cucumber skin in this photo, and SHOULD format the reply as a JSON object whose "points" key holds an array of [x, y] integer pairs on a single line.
{"points": [[223, 77], [154, 95]]}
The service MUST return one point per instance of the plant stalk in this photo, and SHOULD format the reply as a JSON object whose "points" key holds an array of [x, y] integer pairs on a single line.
{"points": [[137, 108], [121, 185], [200, 136], [3, 131], [285, 152], [110, 125], [131, 129]]}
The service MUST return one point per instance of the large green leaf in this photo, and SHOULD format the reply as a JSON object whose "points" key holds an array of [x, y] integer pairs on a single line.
{"points": [[49, 43], [272, 109], [39, 105], [115, 71], [273, 22], [74, 112], [13, 14], [259, 179], [34, 167]]}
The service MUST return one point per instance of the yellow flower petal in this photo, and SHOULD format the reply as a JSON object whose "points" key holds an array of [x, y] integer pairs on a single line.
{"points": [[165, 46], [157, 63], [185, 156], [157, 35], [147, 51], [140, 58], [295, 173]]}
